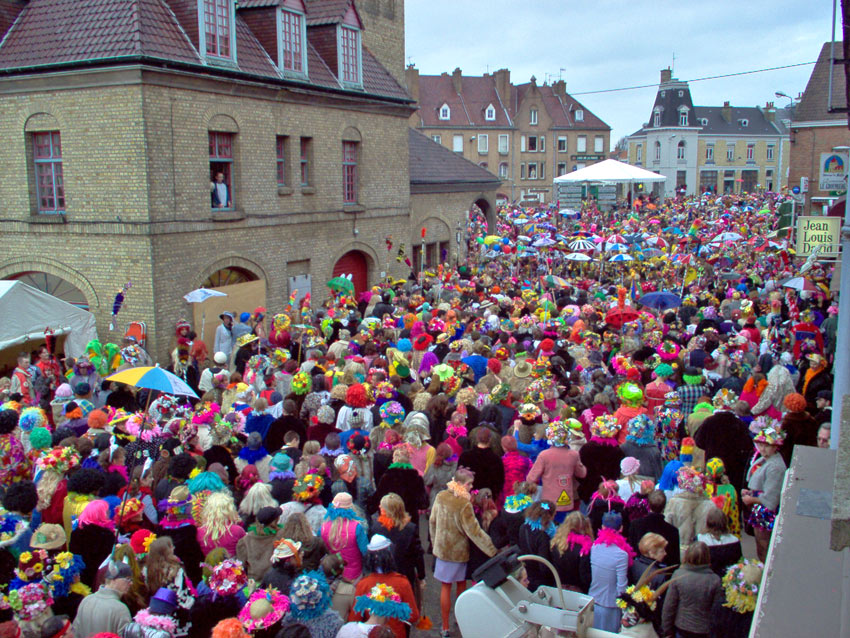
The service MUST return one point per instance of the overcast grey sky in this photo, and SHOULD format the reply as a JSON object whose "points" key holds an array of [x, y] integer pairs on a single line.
{"points": [[603, 44]]}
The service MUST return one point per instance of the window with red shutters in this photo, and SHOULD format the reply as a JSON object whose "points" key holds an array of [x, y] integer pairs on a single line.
{"points": [[291, 41], [218, 27], [349, 172], [349, 58], [50, 188]]}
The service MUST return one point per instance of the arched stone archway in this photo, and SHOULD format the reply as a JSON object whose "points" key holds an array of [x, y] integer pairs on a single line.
{"points": [[56, 270], [355, 265], [488, 210], [241, 270], [53, 285]]}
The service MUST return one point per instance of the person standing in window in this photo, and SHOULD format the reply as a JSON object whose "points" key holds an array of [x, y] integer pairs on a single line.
{"points": [[220, 192]]}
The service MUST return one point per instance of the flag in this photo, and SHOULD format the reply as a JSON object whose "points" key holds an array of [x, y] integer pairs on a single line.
{"points": [[691, 275], [633, 293]]}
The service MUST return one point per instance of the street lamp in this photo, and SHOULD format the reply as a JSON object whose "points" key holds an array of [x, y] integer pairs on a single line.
{"points": [[785, 95], [458, 234]]}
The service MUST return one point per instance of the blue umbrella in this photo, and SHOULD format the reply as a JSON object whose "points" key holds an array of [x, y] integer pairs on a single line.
{"points": [[660, 300]]}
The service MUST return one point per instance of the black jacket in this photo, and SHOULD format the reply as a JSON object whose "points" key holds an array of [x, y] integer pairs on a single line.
{"points": [[535, 542], [407, 549], [406, 482], [187, 549], [724, 435], [573, 568], [601, 460], [654, 522], [93, 544], [504, 530], [488, 468], [280, 426]]}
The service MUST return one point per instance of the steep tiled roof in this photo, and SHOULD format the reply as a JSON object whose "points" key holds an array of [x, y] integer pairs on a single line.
{"points": [[57, 31], [257, 4], [433, 164], [321, 12], [51, 32], [757, 123], [560, 108], [669, 101], [813, 105], [467, 108]]}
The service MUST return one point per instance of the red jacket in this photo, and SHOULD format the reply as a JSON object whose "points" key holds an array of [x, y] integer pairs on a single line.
{"points": [[558, 467], [401, 586]]}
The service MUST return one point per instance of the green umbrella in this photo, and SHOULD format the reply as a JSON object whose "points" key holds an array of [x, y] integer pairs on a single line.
{"points": [[341, 284]]}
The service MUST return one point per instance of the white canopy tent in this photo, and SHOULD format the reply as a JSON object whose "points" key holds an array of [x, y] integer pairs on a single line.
{"points": [[27, 311], [610, 172]]}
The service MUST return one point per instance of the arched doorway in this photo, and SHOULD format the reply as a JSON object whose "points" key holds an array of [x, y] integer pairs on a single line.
{"points": [[487, 212], [228, 277], [353, 263], [53, 285]]}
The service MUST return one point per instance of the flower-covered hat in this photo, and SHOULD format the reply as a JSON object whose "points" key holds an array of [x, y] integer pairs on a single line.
{"points": [[605, 426], [228, 577], [307, 487], [770, 435], [690, 479], [725, 399], [741, 584], [59, 459], [630, 394], [309, 595], [383, 601], [264, 608], [641, 430]]}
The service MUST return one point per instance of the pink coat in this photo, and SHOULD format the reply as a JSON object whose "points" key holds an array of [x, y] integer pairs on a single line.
{"points": [[228, 540], [558, 467], [517, 466]]}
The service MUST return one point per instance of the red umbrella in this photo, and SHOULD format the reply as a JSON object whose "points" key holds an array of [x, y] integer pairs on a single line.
{"points": [[618, 316]]}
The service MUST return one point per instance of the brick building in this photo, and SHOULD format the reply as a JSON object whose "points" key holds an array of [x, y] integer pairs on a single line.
{"points": [[816, 130], [525, 134], [724, 149], [118, 114]]}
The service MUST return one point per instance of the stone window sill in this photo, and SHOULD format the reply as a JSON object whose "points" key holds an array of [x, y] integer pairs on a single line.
{"points": [[353, 208], [308, 190], [284, 190], [48, 218], [231, 215]]}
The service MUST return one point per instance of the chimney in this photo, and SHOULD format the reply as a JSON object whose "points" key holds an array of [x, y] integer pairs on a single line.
{"points": [[503, 85], [411, 75], [769, 112], [457, 81], [666, 75], [726, 112], [560, 89]]}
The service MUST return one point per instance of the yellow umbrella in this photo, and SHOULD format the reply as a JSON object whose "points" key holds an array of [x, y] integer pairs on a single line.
{"points": [[492, 239]]}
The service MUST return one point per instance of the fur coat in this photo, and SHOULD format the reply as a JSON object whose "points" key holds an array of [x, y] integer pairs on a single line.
{"points": [[453, 525], [688, 511]]}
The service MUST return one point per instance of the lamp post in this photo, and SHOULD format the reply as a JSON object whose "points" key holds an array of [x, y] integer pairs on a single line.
{"points": [[785, 95], [458, 234], [841, 366]]}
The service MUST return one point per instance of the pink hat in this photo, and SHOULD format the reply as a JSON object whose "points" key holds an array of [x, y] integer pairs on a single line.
{"points": [[342, 500], [629, 466], [64, 391]]}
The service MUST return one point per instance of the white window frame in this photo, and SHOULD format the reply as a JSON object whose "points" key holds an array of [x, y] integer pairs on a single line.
{"points": [[562, 143], [709, 152], [730, 152], [562, 168], [581, 144], [599, 144], [359, 47], [580, 115], [751, 152], [522, 146], [536, 146], [639, 153], [542, 172], [532, 165], [202, 35], [503, 170], [683, 118], [522, 170], [771, 149], [504, 143], [490, 113], [445, 112], [457, 137], [657, 151], [656, 119], [541, 144], [280, 17], [532, 117], [437, 138], [483, 143], [681, 150]]}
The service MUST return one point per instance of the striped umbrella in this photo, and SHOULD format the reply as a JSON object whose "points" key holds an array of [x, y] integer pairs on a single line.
{"points": [[621, 257], [577, 257], [582, 244], [554, 280], [153, 378]]}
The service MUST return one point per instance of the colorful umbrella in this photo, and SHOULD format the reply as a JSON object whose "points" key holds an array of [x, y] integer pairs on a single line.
{"points": [[200, 295], [341, 284], [153, 378], [582, 244], [554, 280], [660, 242], [726, 237], [577, 257], [543, 241], [610, 247], [618, 316], [622, 257], [661, 300], [799, 284]]}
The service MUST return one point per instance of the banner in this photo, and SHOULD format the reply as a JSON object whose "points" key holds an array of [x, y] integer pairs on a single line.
{"points": [[833, 172], [818, 231]]}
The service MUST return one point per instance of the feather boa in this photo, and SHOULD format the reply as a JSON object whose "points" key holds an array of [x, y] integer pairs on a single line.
{"points": [[156, 621], [252, 456], [604, 441], [334, 513], [583, 542], [537, 525], [281, 476], [461, 491], [608, 536]]}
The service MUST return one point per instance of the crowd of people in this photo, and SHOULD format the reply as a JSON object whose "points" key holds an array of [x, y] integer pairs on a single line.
{"points": [[335, 458]]}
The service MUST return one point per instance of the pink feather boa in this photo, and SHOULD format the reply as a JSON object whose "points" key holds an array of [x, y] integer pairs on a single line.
{"points": [[604, 441], [147, 619], [584, 542], [608, 536]]}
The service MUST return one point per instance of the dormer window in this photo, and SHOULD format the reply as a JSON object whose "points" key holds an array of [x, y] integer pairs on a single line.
{"points": [[683, 118], [703, 121], [580, 115], [744, 123], [681, 93], [350, 64], [445, 112], [292, 34], [490, 113], [656, 119], [218, 35]]}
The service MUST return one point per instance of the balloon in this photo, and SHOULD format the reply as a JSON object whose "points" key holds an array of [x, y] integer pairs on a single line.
{"points": [[479, 240], [505, 240]]}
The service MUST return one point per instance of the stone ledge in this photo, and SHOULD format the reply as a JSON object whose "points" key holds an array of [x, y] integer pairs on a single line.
{"points": [[48, 218], [353, 208], [227, 215], [308, 190], [284, 190]]}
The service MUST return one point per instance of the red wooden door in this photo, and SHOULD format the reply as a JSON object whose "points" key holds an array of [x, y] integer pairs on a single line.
{"points": [[353, 263]]}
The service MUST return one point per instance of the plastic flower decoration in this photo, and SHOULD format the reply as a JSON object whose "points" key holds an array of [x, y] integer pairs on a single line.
{"points": [[301, 383], [741, 584], [144, 427], [228, 577]]}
